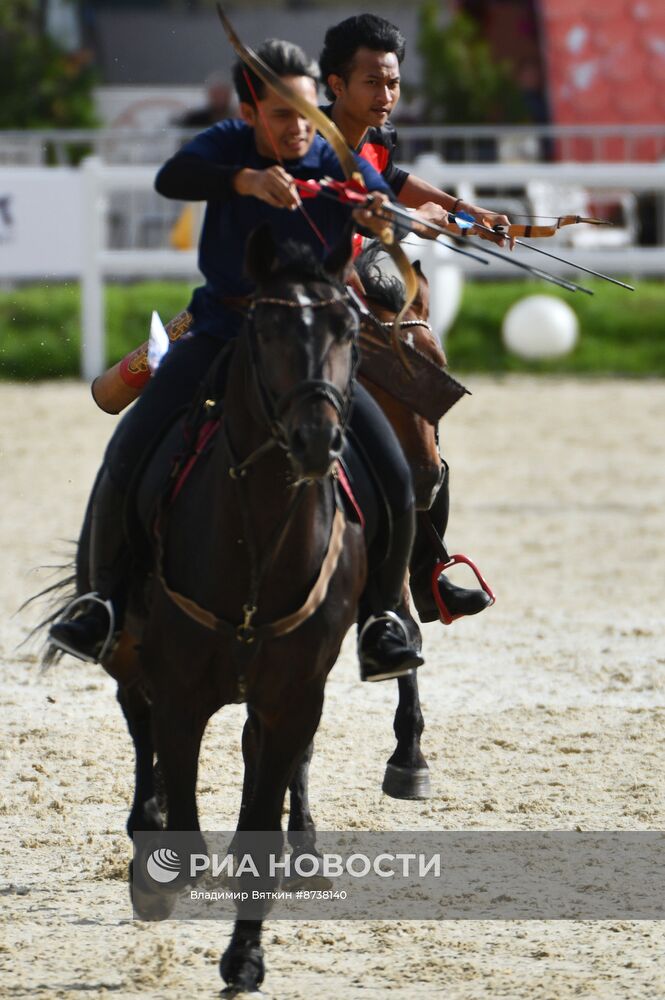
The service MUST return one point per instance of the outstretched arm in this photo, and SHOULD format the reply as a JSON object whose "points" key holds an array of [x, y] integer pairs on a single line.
{"points": [[434, 205]]}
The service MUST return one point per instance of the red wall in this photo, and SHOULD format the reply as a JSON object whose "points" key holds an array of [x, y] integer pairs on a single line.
{"points": [[605, 64]]}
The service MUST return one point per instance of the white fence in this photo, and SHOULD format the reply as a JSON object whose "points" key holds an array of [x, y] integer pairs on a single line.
{"points": [[99, 263], [466, 143], [99, 180], [571, 187]]}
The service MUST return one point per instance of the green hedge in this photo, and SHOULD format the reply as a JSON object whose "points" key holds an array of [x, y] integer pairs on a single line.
{"points": [[621, 332]]}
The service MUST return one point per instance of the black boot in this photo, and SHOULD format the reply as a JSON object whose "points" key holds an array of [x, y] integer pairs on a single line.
{"points": [[91, 621], [385, 648], [458, 600], [88, 629]]}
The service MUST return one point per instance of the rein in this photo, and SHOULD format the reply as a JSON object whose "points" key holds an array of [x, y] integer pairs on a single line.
{"points": [[273, 411]]}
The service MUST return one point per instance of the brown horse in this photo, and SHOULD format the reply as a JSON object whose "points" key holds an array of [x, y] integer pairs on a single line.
{"points": [[407, 774], [418, 438]]}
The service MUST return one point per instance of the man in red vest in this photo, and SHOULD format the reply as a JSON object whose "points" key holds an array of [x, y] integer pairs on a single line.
{"points": [[360, 69]]}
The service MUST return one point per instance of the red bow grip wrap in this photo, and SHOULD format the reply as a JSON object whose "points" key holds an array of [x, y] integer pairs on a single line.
{"points": [[121, 384], [347, 192]]}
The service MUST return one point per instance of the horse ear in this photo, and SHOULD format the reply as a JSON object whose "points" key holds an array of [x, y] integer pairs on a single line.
{"points": [[417, 268], [341, 255], [261, 253]]}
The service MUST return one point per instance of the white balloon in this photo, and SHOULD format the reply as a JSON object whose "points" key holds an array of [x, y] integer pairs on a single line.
{"points": [[540, 326]]}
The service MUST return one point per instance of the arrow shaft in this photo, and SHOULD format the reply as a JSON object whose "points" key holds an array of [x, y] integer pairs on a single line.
{"points": [[548, 253], [536, 271], [579, 267]]}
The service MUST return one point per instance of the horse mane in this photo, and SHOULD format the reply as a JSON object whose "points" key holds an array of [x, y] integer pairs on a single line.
{"points": [[381, 287]]}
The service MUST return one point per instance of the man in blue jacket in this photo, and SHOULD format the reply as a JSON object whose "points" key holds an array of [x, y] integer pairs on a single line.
{"points": [[233, 167]]}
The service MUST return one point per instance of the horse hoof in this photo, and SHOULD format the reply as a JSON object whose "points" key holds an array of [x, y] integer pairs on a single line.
{"points": [[242, 969], [147, 818], [148, 904], [406, 782]]}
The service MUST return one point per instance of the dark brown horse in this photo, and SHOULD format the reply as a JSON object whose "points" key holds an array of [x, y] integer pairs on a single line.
{"points": [[255, 574]]}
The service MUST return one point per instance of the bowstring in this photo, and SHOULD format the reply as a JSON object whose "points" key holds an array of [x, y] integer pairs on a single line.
{"points": [[264, 121]]}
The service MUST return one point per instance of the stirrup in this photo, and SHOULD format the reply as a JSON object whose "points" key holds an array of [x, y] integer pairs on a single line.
{"points": [[386, 616], [66, 616], [444, 614], [384, 673]]}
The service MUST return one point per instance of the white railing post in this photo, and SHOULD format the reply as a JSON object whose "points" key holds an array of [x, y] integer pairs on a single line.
{"points": [[93, 347]]}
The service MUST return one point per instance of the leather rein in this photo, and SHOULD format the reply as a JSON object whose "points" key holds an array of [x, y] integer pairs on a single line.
{"points": [[274, 410]]}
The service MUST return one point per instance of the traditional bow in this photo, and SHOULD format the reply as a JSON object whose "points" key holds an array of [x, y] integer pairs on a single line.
{"points": [[466, 221], [541, 231], [331, 133]]}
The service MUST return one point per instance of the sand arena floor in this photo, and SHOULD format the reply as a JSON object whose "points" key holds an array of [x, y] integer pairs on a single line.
{"points": [[547, 712]]}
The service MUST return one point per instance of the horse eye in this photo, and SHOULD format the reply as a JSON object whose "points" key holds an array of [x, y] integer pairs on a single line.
{"points": [[345, 327]]}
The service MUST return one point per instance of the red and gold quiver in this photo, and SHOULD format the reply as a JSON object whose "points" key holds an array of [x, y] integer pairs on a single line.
{"points": [[121, 384]]}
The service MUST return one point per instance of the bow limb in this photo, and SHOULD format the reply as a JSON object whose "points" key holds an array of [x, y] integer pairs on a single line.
{"points": [[325, 125], [331, 133], [542, 231]]}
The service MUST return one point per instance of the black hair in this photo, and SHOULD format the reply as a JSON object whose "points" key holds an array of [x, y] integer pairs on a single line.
{"points": [[343, 40], [283, 58]]}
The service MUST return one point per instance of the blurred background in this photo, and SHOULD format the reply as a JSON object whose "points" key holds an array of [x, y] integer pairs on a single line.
{"points": [[533, 107]]}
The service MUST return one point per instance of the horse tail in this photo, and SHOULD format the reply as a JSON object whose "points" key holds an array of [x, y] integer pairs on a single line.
{"points": [[55, 599]]}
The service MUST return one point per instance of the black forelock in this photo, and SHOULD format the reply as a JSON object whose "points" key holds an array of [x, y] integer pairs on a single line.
{"points": [[381, 287], [297, 261]]}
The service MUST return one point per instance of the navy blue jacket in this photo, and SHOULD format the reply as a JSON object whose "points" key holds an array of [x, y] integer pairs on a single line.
{"points": [[203, 170]]}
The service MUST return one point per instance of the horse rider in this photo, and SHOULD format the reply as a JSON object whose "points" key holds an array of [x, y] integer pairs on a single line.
{"points": [[232, 166], [360, 67]]}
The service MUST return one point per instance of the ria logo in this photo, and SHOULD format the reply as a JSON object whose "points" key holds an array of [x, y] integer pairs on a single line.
{"points": [[163, 865]]}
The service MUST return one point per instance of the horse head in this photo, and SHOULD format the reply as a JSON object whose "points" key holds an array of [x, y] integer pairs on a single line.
{"points": [[302, 333]]}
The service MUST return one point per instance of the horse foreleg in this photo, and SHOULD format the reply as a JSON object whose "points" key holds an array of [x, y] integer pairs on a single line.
{"points": [[282, 743], [301, 831], [250, 749], [145, 813], [407, 773], [179, 724]]}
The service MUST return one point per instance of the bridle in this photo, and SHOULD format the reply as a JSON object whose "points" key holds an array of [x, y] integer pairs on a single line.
{"points": [[274, 408]]}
